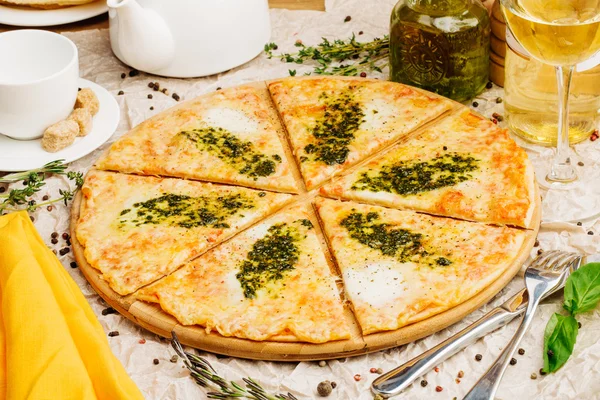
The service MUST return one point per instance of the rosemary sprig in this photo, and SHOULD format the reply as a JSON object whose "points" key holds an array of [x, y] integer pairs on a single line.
{"points": [[340, 57], [206, 376], [34, 181]]}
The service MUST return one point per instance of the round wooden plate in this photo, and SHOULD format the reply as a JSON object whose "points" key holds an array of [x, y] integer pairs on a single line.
{"points": [[153, 318]]}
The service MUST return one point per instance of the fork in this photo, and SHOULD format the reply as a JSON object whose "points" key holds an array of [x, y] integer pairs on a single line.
{"points": [[541, 277]]}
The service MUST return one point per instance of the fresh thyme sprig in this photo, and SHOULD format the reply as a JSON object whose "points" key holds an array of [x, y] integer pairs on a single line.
{"points": [[206, 376], [34, 181], [340, 57]]}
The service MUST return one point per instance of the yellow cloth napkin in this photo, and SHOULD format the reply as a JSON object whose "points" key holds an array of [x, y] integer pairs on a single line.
{"points": [[51, 344]]}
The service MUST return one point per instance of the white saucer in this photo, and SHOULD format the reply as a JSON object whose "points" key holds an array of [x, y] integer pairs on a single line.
{"points": [[25, 16], [23, 155]]}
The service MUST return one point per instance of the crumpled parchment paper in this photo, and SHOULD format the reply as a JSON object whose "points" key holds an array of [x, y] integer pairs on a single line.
{"points": [[579, 378]]}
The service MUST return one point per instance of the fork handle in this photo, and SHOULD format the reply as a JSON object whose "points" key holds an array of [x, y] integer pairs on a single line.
{"points": [[487, 385], [398, 379]]}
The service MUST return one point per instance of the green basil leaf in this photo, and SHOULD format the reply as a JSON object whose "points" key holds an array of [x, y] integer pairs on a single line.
{"points": [[582, 290], [559, 340]]}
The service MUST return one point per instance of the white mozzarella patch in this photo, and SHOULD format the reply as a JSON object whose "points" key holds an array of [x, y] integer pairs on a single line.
{"points": [[377, 284], [234, 288], [229, 119], [378, 113], [258, 232]]}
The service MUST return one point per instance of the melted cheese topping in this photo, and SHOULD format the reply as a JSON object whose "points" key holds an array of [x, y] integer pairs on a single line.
{"points": [[500, 191], [154, 147], [131, 256], [387, 293], [304, 303], [391, 110]]}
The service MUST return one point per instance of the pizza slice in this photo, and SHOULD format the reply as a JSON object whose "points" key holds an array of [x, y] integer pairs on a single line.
{"points": [[231, 136], [463, 167], [137, 229], [271, 282], [334, 123], [400, 267]]}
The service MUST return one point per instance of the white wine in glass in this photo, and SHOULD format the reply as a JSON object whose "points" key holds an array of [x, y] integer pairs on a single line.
{"points": [[561, 33]]}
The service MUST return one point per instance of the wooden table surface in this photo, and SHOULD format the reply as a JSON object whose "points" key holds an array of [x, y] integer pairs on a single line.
{"points": [[101, 21]]}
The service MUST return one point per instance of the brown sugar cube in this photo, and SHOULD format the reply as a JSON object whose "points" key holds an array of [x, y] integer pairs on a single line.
{"points": [[83, 118], [60, 135], [86, 98]]}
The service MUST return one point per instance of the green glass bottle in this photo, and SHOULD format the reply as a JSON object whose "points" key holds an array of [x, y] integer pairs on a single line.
{"points": [[441, 46]]}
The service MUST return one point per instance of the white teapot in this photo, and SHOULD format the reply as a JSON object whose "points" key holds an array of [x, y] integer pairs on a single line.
{"points": [[188, 38]]}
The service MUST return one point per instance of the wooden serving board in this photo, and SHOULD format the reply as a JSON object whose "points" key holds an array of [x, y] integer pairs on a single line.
{"points": [[153, 318]]}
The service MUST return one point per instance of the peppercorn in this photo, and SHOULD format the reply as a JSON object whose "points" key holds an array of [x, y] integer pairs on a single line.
{"points": [[498, 117], [149, 96], [324, 388], [423, 383], [379, 371], [498, 100], [31, 218], [2, 189], [54, 241], [333, 384], [436, 369], [494, 120], [108, 311], [457, 380], [174, 358], [363, 74], [438, 389], [489, 85], [478, 357], [580, 163], [578, 324], [65, 236], [360, 32], [64, 251], [521, 351], [219, 88], [142, 341], [533, 375], [155, 361], [322, 363], [579, 223], [73, 264], [542, 372], [537, 243], [475, 104], [54, 235], [120, 93], [151, 85], [175, 96], [513, 361], [156, 87], [357, 377], [113, 333], [550, 353], [134, 72], [461, 373], [49, 208], [539, 252], [165, 91], [46, 197], [445, 148], [373, 370], [594, 136], [123, 75], [590, 233], [347, 19], [151, 108]]}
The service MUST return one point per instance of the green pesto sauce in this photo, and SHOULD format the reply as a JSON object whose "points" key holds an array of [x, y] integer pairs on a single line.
{"points": [[408, 177], [232, 150], [399, 243], [271, 257], [186, 211], [334, 131]]}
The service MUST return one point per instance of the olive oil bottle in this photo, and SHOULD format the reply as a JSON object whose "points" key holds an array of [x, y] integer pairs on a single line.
{"points": [[441, 46]]}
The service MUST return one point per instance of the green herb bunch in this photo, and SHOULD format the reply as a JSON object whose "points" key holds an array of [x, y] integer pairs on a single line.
{"points": [[581, 294], [338, 57], [33, 181]]}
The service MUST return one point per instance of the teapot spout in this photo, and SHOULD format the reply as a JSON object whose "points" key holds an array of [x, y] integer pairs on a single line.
{"points": [[144, 40]]}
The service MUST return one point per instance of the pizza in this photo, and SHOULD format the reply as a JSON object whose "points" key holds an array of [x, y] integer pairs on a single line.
{"points": [[45, 4], [306, 210], [400, 267], [136, 229], [230, 136], [334, 123], [271, 282], [463, 167]]}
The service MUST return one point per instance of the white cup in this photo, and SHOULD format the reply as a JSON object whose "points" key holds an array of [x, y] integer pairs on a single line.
{"points": [[39, 74]]}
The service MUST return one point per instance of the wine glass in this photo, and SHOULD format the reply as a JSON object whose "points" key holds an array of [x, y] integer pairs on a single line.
{"points": [[561, 33]]}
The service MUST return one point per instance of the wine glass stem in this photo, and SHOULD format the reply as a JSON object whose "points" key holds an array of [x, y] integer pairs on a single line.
{"points": [[562, 171]]}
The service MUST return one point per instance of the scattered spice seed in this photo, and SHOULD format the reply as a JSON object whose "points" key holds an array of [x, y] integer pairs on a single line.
{"points": [[489, 85], [219, 88], [363, 74], [49, 208], [475, 104], [54, 251], [151, 85], [134, 72], [537, 243], [151, 108], [550, 353], [360, 32], [594, 136], [590, 233], [513, 361], [46, 197], [539, 252], [347, 19], [445, 148], [175, 96], [120, 93], [533, 376], [324, 388], [65, 236], [379, 371], [357, 377], [54, 241], [2, 189], [31, 218], [498, 117], [333, 384], [438, 389], [149, 96], [322, 363], [54, 235], [580, 163], [423, 383], [478, 357], [73, 264], [155, 361], [123, 75], [436, 369], [579, 223], [64, 251], [498, 100], [494, 120], [542, 373], [373, 370], [457, 380], [165, 91], [174, 358], [521, 351], [113, 333], [142, 341], [461, 373], [108, 311], [579, 324]]}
